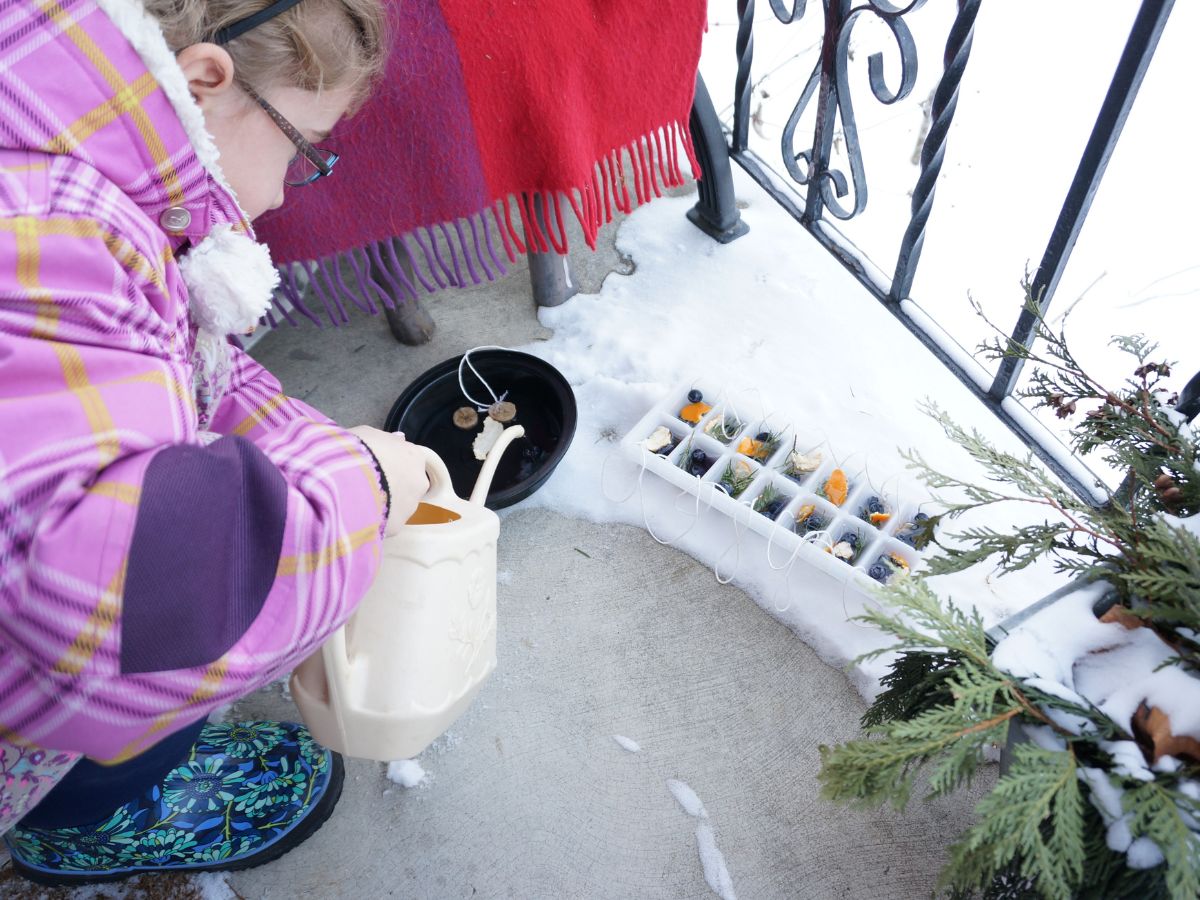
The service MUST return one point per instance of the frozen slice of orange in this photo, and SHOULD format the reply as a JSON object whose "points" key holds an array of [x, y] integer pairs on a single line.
{"points": [[836, 487], [750, 447], [880, 518], [805, 511], [693, 412], [899, 561]]}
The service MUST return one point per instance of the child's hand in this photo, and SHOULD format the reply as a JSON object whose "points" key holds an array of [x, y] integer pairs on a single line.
{"points": [[403, 467]]}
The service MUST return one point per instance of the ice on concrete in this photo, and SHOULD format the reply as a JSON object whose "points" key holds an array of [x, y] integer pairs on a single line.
{"points": [[405, 772], [716, 873], [687, 798], [631, 745]]}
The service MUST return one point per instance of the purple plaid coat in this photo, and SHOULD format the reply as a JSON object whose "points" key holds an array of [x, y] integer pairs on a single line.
{"points": [[150, 569]]}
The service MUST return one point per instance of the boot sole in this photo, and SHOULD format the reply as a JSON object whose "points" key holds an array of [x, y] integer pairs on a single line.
{"points": [[307, 827]]}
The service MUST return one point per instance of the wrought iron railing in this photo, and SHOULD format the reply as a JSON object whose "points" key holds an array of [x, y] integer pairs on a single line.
{"points": [[819, 190]]}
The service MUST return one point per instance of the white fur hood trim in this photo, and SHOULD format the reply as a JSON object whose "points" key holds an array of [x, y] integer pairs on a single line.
{"points": [[230, 280]]}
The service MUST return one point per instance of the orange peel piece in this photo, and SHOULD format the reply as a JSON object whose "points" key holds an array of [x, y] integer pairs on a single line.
{"points": [[694, 412], [836, 487], [899, 561], [879, 518], [750, 447], [805, 511]]}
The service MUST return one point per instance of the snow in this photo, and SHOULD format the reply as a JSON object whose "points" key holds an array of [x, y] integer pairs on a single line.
{"points": [[1143, 854], [626, 743], [213, 886], [405, 772], [997, 196], [716, 873], [774, 314], [687, 798], [1190, 524], [1047, 645], [1128, 759], [1066, 652]]}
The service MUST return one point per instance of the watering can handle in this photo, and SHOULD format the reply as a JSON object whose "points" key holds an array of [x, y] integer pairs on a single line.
{"points": [[440, 485]]}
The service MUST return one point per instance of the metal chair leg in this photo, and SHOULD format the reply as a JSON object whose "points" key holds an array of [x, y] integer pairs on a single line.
{"points": [[549, 273], [716, 213]]}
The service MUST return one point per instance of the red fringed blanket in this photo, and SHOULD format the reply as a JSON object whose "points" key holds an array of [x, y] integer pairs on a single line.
{"points": [[488, 108]]}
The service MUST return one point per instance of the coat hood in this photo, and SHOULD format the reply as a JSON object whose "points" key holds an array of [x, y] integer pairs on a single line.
{"points": [[96, 81]]}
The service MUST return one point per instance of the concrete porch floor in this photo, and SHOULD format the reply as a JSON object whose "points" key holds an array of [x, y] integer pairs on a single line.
{"points": [[602, 632], [531, 796]]}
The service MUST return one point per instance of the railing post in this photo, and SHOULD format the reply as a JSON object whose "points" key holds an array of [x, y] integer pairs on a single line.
{"points": [[741, 84], [827, 107], [1139, 49], [716, 212], [933, 150]]}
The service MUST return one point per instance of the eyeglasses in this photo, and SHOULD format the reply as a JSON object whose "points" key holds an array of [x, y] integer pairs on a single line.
{"points": [[309, 163]]}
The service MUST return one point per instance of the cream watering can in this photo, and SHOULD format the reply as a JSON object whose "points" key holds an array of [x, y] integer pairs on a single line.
{"points": [[423, 640]]}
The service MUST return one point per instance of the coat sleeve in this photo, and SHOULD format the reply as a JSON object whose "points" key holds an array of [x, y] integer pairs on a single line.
{"points": [[149, 572], [254, 403]]}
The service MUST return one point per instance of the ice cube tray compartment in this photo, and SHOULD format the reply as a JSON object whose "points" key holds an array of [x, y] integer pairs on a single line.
{"points": [[678, 430], [722, 425], [809, 451], [781, 530]]}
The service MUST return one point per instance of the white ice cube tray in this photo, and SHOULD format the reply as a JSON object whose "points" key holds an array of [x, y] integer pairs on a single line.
{"points": [[708, 435]]}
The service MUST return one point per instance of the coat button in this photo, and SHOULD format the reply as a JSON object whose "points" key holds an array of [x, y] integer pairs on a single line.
{"points": [[175, 218]]}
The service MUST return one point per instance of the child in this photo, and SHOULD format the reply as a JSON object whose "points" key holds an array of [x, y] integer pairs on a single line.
{"points": [[174, 531]]}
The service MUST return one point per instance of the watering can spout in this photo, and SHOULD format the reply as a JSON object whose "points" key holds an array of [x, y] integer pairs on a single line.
{"points": [[484, 482]]}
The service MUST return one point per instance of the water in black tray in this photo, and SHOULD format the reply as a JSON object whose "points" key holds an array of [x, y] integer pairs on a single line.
{"points": [[545, 408]]}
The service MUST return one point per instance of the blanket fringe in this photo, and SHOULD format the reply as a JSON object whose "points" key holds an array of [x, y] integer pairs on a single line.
{"points": [[464, 251]]}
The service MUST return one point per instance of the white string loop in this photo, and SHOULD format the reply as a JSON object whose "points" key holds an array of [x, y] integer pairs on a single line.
{"points": [[466, 361]]}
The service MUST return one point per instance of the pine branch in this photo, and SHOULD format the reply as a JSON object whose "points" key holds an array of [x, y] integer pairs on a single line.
{"points": [[944, 701], [921, 621], [869, 773], [1156, 813], [917, 681], [1034, 813]]}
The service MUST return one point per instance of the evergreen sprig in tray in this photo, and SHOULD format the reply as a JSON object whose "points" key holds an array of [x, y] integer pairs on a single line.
{"points": [[786, 486]]}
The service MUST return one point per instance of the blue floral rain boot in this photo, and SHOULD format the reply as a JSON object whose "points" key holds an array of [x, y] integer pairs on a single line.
{"points": [[246, 794]]}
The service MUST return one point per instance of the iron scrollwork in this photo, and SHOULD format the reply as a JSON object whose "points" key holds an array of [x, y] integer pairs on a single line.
{"points": [[830, 76]]}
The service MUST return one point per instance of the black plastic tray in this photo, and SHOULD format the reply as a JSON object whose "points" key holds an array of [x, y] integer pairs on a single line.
{"points": [[545, 407]]}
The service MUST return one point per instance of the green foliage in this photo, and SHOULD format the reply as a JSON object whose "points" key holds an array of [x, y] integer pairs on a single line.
{"points": [[944, 702], [1034, 815], [1157, 811], [917, 681]]}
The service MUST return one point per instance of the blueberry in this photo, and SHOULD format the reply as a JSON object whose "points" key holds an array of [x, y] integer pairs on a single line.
{"points": [[874, 505], [920, 517], [694, 396], [699, 457], [851, 538], [763, 436], [879, 572], [665, 451], [698, 471], [726, 487], [907, 537], [772, 509], [814, 523], [722, 487]]}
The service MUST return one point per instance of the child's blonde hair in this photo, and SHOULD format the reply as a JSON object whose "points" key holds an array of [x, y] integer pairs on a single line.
{"points": [[316, 44]]}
